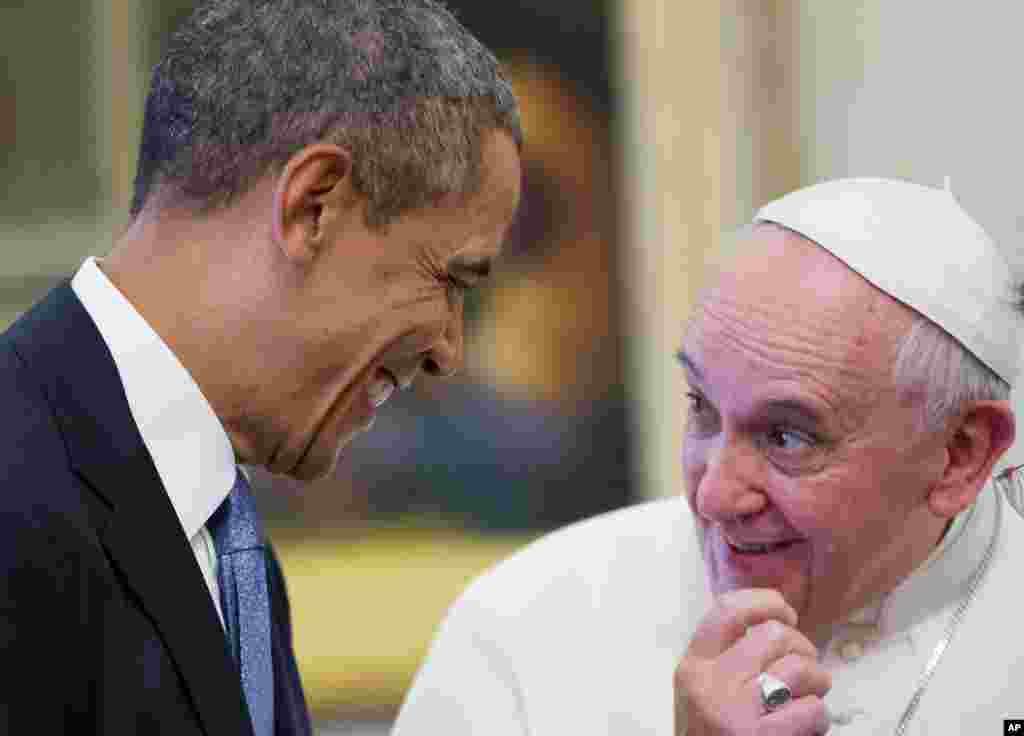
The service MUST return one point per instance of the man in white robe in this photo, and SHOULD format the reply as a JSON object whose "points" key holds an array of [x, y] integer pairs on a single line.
{"points": [[849, 377]]}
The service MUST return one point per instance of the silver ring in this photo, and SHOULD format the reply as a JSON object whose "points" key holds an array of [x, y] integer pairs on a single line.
{"points": [[774, 692]]}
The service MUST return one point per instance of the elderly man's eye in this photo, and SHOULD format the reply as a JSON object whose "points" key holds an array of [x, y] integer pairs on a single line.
{"points": [[789, 441]]}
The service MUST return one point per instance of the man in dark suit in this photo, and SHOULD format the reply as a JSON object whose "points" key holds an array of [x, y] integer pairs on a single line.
{"points": [[319, 182]]}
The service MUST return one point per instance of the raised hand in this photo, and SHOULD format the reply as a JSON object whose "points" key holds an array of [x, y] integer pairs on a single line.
{"points": [[717, 687]]}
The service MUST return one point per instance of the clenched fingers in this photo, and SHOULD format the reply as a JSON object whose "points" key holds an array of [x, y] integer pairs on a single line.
{"points": [[732, 614], [800, 717], [764, 644]]}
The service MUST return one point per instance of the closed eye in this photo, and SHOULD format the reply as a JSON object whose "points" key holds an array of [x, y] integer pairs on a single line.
{"points": [[454, 282]]}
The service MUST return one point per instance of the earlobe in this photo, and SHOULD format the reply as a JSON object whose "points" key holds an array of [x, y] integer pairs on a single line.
{"points": [[984, 432], [310, 192]]}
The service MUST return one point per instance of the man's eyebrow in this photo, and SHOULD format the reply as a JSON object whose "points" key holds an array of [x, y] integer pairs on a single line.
{"points": [[795, 409], [687, 362]]}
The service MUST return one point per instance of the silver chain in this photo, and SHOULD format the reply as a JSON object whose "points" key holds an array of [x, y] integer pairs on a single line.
{"points": [[972, 586]]}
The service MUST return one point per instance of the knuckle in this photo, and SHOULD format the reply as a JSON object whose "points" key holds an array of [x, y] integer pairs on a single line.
{"points": [[769, 631], [729, 606], [801, 645], [763, 603], [795, 643], [728, 615], [789, 666]]}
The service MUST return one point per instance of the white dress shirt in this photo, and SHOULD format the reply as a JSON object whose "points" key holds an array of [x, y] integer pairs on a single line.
{"points": [[188, 444], [581, 631]]}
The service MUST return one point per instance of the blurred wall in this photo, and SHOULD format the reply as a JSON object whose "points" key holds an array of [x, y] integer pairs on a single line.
{"points": [[672, 136], [918, 90], [708, 133], [54, 148]]}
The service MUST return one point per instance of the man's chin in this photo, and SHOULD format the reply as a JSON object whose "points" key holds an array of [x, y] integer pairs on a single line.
{"points": [[308, 472], [312, 466], [317, 462]]}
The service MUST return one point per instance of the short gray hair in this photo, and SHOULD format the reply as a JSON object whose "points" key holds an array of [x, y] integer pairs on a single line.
{"points": [[932, 360], [245, 84]]}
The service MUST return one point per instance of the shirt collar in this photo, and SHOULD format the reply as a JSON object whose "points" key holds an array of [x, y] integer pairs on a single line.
{"points": [[188, 444]]}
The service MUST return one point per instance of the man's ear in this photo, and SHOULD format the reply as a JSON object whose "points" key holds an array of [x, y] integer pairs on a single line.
{"points": [[314, 191], [979, 437]]}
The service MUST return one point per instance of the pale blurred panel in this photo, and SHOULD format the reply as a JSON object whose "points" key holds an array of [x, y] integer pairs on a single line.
{"points": [[364, 609], [54, 122], [761, 154], [45, 112], [127, 51], [671, 89], [918, 90]]}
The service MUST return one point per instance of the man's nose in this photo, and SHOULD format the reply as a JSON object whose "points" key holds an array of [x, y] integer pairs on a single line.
{"points": [[732, 482], [445, 357]]}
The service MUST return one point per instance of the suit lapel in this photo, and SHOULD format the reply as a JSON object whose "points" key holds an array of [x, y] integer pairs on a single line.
{"points": [[60, 343]]}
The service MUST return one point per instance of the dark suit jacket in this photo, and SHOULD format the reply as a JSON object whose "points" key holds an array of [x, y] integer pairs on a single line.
{"points": [[106, 624]]}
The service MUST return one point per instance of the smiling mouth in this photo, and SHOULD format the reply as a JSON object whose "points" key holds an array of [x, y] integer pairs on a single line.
{"points": [[382, 388], [747, 548], [378, 391]]}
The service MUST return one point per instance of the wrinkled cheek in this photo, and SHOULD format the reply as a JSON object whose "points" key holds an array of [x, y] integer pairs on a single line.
{"points": [[822, 575], [713, 568], [720, 577]]}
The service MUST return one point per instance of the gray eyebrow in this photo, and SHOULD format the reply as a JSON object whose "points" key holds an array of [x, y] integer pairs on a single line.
{"points": [[794, 408], [791, 407]]}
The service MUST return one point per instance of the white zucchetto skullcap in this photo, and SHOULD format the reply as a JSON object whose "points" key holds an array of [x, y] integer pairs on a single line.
{"points": [[918, 245]]}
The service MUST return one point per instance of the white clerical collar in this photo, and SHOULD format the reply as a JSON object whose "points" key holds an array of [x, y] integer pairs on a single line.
{"points": [[941, 579], [188, 444]]}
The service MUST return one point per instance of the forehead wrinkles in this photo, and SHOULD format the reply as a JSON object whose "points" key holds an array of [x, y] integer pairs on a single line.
{"points": [[833, 349]]}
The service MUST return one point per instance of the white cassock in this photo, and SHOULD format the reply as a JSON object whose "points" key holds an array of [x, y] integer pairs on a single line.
{"points": [[581, 631]]}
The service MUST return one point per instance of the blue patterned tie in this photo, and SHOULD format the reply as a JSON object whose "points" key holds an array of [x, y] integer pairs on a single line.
{"points": [[245, 600]]}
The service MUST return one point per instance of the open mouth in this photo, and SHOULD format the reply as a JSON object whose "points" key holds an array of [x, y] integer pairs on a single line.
{"points": [[766, 548], [382, 387]]}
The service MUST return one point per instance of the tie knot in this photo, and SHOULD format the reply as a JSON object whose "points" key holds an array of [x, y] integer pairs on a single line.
{"points": [[235, 525]]}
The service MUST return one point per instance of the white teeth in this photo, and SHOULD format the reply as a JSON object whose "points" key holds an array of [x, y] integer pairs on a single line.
{"points": [[381, 390], [758, 548], [753, 547]]}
